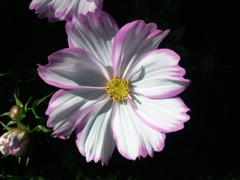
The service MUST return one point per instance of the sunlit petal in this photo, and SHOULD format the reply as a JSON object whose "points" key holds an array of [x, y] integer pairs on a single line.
{"points": [[164, 115], [132, 41], [94, 33], [133, 137], [158, 75], [66, 108], [95, 138]]}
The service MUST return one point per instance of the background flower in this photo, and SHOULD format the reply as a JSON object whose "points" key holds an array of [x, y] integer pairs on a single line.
{"points": [[116, 88], [14, 142], [56, 10]]}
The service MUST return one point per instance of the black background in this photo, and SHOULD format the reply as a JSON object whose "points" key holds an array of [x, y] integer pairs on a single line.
{"points": [[209, 145]]}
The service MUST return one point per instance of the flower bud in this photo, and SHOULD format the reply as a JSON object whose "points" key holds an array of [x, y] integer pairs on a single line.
{"points": [[14, 142], [15, 112]]}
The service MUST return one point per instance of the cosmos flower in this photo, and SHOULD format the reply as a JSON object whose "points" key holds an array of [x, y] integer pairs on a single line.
{"points": [[14, 142], [117, 89], [56, 10]]}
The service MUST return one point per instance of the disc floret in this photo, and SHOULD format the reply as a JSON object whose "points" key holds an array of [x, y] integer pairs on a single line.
{"points": [[118, 89]]}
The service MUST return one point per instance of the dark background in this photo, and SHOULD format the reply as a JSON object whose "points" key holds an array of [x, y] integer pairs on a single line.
{"points": [[205, 34]]}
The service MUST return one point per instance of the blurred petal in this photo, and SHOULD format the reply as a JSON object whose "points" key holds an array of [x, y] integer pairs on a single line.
{"points": [[94, 33], [164, 115], [132, 41], [133, 137], [73, 68], [95, 137], [41, 8], [67, 108], [66, 9], [63, 9], [158, 75]]}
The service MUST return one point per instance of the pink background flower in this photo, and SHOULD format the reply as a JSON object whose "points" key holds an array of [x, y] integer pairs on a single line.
{"points": [[14, 142]]}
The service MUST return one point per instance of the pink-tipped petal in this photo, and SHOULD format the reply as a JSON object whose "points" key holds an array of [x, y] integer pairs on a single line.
{"points": [[164, 115], [158, 75], [132, 41], [67, 108], [93, 32], [133, 137], [95, 138], [73, 68]]}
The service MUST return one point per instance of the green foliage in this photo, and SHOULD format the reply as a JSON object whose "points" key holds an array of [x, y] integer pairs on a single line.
{"points": [[27, 119], [18, 121]]}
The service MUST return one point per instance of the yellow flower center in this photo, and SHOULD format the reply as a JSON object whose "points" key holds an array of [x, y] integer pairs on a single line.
{"points": [[118, 89]]}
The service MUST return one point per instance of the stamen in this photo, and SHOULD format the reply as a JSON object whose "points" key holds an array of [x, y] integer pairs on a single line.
{"points": [[118, 89]]}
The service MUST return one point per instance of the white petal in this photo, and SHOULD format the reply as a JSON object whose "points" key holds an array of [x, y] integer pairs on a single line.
{"points": [[132, 41], [158, 75], [73, 68], [95, 138], [164, 115], [93, 32], [67, 108], [133, 137]]}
